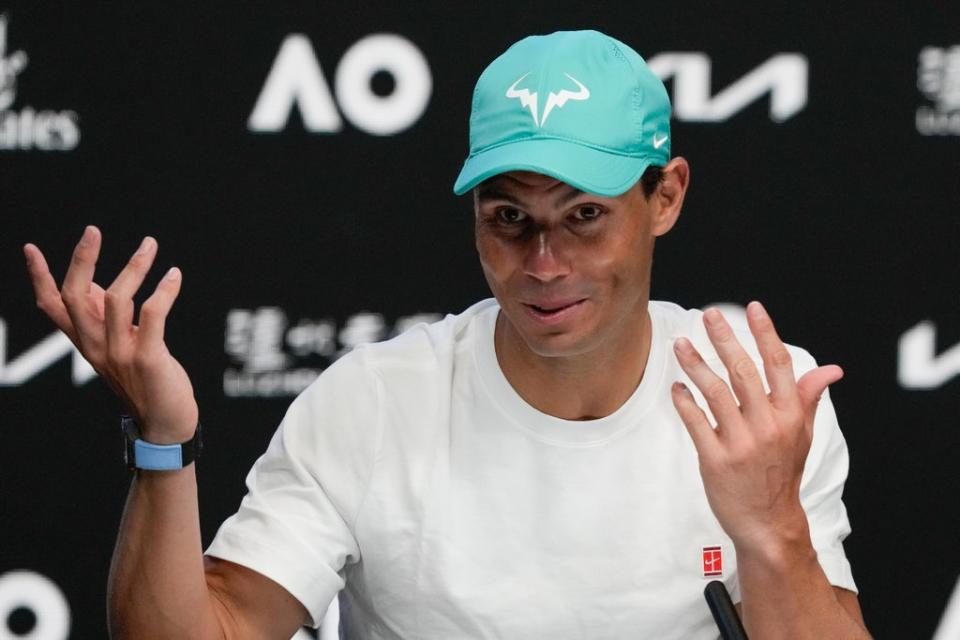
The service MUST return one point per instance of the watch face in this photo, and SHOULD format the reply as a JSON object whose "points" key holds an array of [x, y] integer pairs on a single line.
{"points": [[128, 451], [128, 427]]}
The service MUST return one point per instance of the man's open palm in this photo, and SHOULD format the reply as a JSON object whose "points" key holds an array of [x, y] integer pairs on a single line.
{"points": [[133, 359], [752, 461]]}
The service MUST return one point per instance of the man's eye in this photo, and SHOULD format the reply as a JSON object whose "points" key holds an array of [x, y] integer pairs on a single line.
{"points": [[510, 215], [588, 212]]}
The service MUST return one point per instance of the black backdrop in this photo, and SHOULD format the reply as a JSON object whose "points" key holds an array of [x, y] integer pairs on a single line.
{"points": [[842, 216]]}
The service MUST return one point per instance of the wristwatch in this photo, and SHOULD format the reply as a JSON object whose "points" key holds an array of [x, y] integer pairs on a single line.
{"points": [[140, 454]]}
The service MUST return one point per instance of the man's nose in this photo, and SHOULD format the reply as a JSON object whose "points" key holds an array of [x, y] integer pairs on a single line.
{"points": [[546, 259]]}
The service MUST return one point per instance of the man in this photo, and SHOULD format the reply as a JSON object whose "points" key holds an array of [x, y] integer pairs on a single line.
{"points": [[529, 468]]}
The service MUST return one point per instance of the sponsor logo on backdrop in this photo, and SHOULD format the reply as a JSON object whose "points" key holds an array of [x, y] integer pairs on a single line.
{"points": [[919, 366], [297, 79], [45, 611], [40, 357], [784, 76], [29, 128], [274, 357], [949, 626], [938, 79]]}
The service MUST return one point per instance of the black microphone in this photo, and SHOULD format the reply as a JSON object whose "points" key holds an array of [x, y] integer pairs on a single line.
{"points": [[724, 613]]}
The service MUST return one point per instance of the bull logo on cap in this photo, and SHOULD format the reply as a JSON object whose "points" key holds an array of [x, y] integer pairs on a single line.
{"points": [[528, 99]]}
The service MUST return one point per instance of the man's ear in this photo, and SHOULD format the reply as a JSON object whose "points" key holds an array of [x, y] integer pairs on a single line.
{"points": [[667, 199]]}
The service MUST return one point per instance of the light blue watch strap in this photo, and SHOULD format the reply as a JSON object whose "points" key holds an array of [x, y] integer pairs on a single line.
{"points": [[158, 457]]}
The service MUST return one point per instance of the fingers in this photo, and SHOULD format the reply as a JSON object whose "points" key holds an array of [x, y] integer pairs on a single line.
{"points": [[153, 314], [695, 420], [777, 363], [45, 290], [744, 376], [76, 284], [813, 383], [118, 299], [129, 280], [82, 263], [714, 389]]}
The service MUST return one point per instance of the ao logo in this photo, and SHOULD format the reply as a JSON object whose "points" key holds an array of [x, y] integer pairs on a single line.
{"points": [[296, 78], [41, 597]]}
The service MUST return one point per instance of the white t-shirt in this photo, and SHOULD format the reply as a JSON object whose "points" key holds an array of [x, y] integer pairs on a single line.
{"points": [[412, 472]]}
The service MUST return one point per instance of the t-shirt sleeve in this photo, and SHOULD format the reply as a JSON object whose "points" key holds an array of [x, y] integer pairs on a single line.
{"points": [[296, 523], [821, 488]]}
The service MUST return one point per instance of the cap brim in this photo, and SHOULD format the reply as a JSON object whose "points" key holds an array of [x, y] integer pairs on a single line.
{"points": [[588, 169]]}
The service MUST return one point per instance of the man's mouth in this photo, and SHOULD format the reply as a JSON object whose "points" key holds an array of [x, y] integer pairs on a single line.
{"points": [[553, 310]]}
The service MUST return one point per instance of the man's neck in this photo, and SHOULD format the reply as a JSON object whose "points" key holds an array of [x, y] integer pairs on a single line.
{"points": [[582, 387]]}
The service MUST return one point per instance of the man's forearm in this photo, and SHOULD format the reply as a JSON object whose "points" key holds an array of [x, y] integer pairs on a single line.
{"points": [[785, 594], [157, 585]]}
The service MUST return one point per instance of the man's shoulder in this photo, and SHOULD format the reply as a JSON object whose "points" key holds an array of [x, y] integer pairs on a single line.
{"points": [[407, 370], [427, 344]]}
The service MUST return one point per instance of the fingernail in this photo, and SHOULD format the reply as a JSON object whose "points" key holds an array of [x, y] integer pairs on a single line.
{"points": [[172, 274], [682, 388], [712, 316], [683, 345], [756, 310], [87, 236], [26, 254], [144, 246]]}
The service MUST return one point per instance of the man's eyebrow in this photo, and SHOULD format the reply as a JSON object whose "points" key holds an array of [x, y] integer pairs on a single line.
{"points": [[572, 194], [493, 193]]}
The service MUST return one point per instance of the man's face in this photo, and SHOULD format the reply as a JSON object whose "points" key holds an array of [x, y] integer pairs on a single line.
{"points": [[571, 270]]}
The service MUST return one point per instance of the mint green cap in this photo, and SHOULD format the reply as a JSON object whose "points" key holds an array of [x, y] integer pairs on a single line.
{"points": [[578, 106]]}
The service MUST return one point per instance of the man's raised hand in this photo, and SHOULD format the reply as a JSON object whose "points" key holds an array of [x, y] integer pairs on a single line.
{"points": [[752, 463], [133, 359]]}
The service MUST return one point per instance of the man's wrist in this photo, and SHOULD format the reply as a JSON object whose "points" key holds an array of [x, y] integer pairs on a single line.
{"points": [[779, 548], [141, 453], [153, 433]]}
